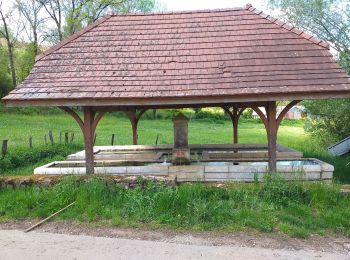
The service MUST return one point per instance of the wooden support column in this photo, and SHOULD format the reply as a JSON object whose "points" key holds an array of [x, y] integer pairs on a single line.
{"points": [[272, 123], [89, 132], [88, 126], [235, 114], [271, 113], [134, 117]]}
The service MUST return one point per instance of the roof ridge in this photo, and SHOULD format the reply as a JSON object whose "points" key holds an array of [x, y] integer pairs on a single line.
{"points": [[72, 37], [180, 12], [288, 27]]}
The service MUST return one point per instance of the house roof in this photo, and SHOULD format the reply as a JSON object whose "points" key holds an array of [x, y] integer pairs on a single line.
{"points": [[195, 57]]}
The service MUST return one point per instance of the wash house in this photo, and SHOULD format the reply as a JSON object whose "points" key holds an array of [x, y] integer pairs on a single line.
{"points": [[235, 59]]}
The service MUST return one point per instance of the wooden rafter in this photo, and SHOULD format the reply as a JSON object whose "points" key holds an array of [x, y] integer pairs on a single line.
{"points": [[75, 116], [261, 115], [285, 111]]}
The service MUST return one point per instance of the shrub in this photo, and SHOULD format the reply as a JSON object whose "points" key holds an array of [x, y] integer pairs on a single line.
{"points": [[26, 156]]}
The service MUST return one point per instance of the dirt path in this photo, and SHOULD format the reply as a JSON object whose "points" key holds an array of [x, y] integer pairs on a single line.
{"points": [[15, 244]]}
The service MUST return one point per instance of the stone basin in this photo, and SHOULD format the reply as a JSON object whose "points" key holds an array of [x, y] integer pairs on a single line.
{"points": [[302, 169]]}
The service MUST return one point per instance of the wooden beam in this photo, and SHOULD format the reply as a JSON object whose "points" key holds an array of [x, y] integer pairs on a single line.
{"points": [[234, 115], [261, 115], [285, 111], [97, 119], [134, 117], [74, 115], [271, 112], [171, 102], [88, 132]]}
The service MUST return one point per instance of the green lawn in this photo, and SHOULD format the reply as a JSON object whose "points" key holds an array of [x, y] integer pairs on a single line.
{"points": [[18, 127]]}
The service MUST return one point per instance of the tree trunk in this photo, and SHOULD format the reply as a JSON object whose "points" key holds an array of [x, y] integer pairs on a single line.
{"points": [[7, 36]]}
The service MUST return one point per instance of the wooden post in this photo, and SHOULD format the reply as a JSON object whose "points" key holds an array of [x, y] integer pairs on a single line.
{"points": [[87, 126], [157, 139], [95, 136], [272, 135], [4, 148], [66, 137], [234, 116], [45, 140], [60, 137], [112, 141], [235, 125], [30, 142], [71, 137], [134, 122], [51, 137], [88, 132], [134, 117]]}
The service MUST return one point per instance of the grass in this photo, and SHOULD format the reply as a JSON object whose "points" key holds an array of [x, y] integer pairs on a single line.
{"points": [[21, 161], [274, 206], [18, 127]]}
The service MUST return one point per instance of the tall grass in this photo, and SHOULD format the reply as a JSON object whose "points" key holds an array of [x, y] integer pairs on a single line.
{"points": [[23, 158], [274, 206]]}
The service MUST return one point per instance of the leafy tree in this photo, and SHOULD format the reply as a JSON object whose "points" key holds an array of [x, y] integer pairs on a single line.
{"points": [[328, 20], [30, 11], [5, 78], [10, 38], [25, 58], [69, 16]]}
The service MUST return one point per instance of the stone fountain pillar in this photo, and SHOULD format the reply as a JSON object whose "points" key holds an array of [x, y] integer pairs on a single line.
{"points": [[181, 150]]}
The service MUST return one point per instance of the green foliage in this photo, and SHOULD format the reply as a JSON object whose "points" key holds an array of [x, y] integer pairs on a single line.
{"points": [[5, 78], [25, 58], [327, 19], [292, 208], [329, 119], [21, 157]]}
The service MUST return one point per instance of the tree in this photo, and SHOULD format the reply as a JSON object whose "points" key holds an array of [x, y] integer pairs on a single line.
{"points": [[69, 16], [5, 32], [54, 9], [25, 59], [328, 20], [30, 10], [5, 78]]}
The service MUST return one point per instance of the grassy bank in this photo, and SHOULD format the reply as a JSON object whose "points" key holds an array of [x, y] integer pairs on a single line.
{"points": [[274, 206], [18, 127]]}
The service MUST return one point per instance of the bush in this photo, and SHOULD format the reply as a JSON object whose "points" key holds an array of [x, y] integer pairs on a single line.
{"points": [[21, 157], [329, 120]]}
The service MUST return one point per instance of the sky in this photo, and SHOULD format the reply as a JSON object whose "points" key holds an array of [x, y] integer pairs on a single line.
{"points": [[182, 5]]}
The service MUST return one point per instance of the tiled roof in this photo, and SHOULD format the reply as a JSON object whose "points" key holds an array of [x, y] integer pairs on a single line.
{"points": [[223, 54]]}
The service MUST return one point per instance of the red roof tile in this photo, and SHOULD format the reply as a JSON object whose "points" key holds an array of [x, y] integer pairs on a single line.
{"points": [[182, 58]]}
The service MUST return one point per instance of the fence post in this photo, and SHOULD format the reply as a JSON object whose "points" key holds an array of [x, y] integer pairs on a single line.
{"points": [[71, 137], [66, 137], [45, 141], [50, 136], [157, 139], [4, 148], [60, 137], [30, 142], [95, 138], [112, 141]]}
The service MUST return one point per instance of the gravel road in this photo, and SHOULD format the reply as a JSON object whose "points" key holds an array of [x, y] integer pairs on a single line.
{"points": [[15, 244]]}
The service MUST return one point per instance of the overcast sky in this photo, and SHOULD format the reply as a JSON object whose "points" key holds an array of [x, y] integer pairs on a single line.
{"points": [[179, 5]]}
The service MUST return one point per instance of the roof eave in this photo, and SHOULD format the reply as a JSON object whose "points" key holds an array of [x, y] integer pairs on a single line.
{"points": [[170, 102]]}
